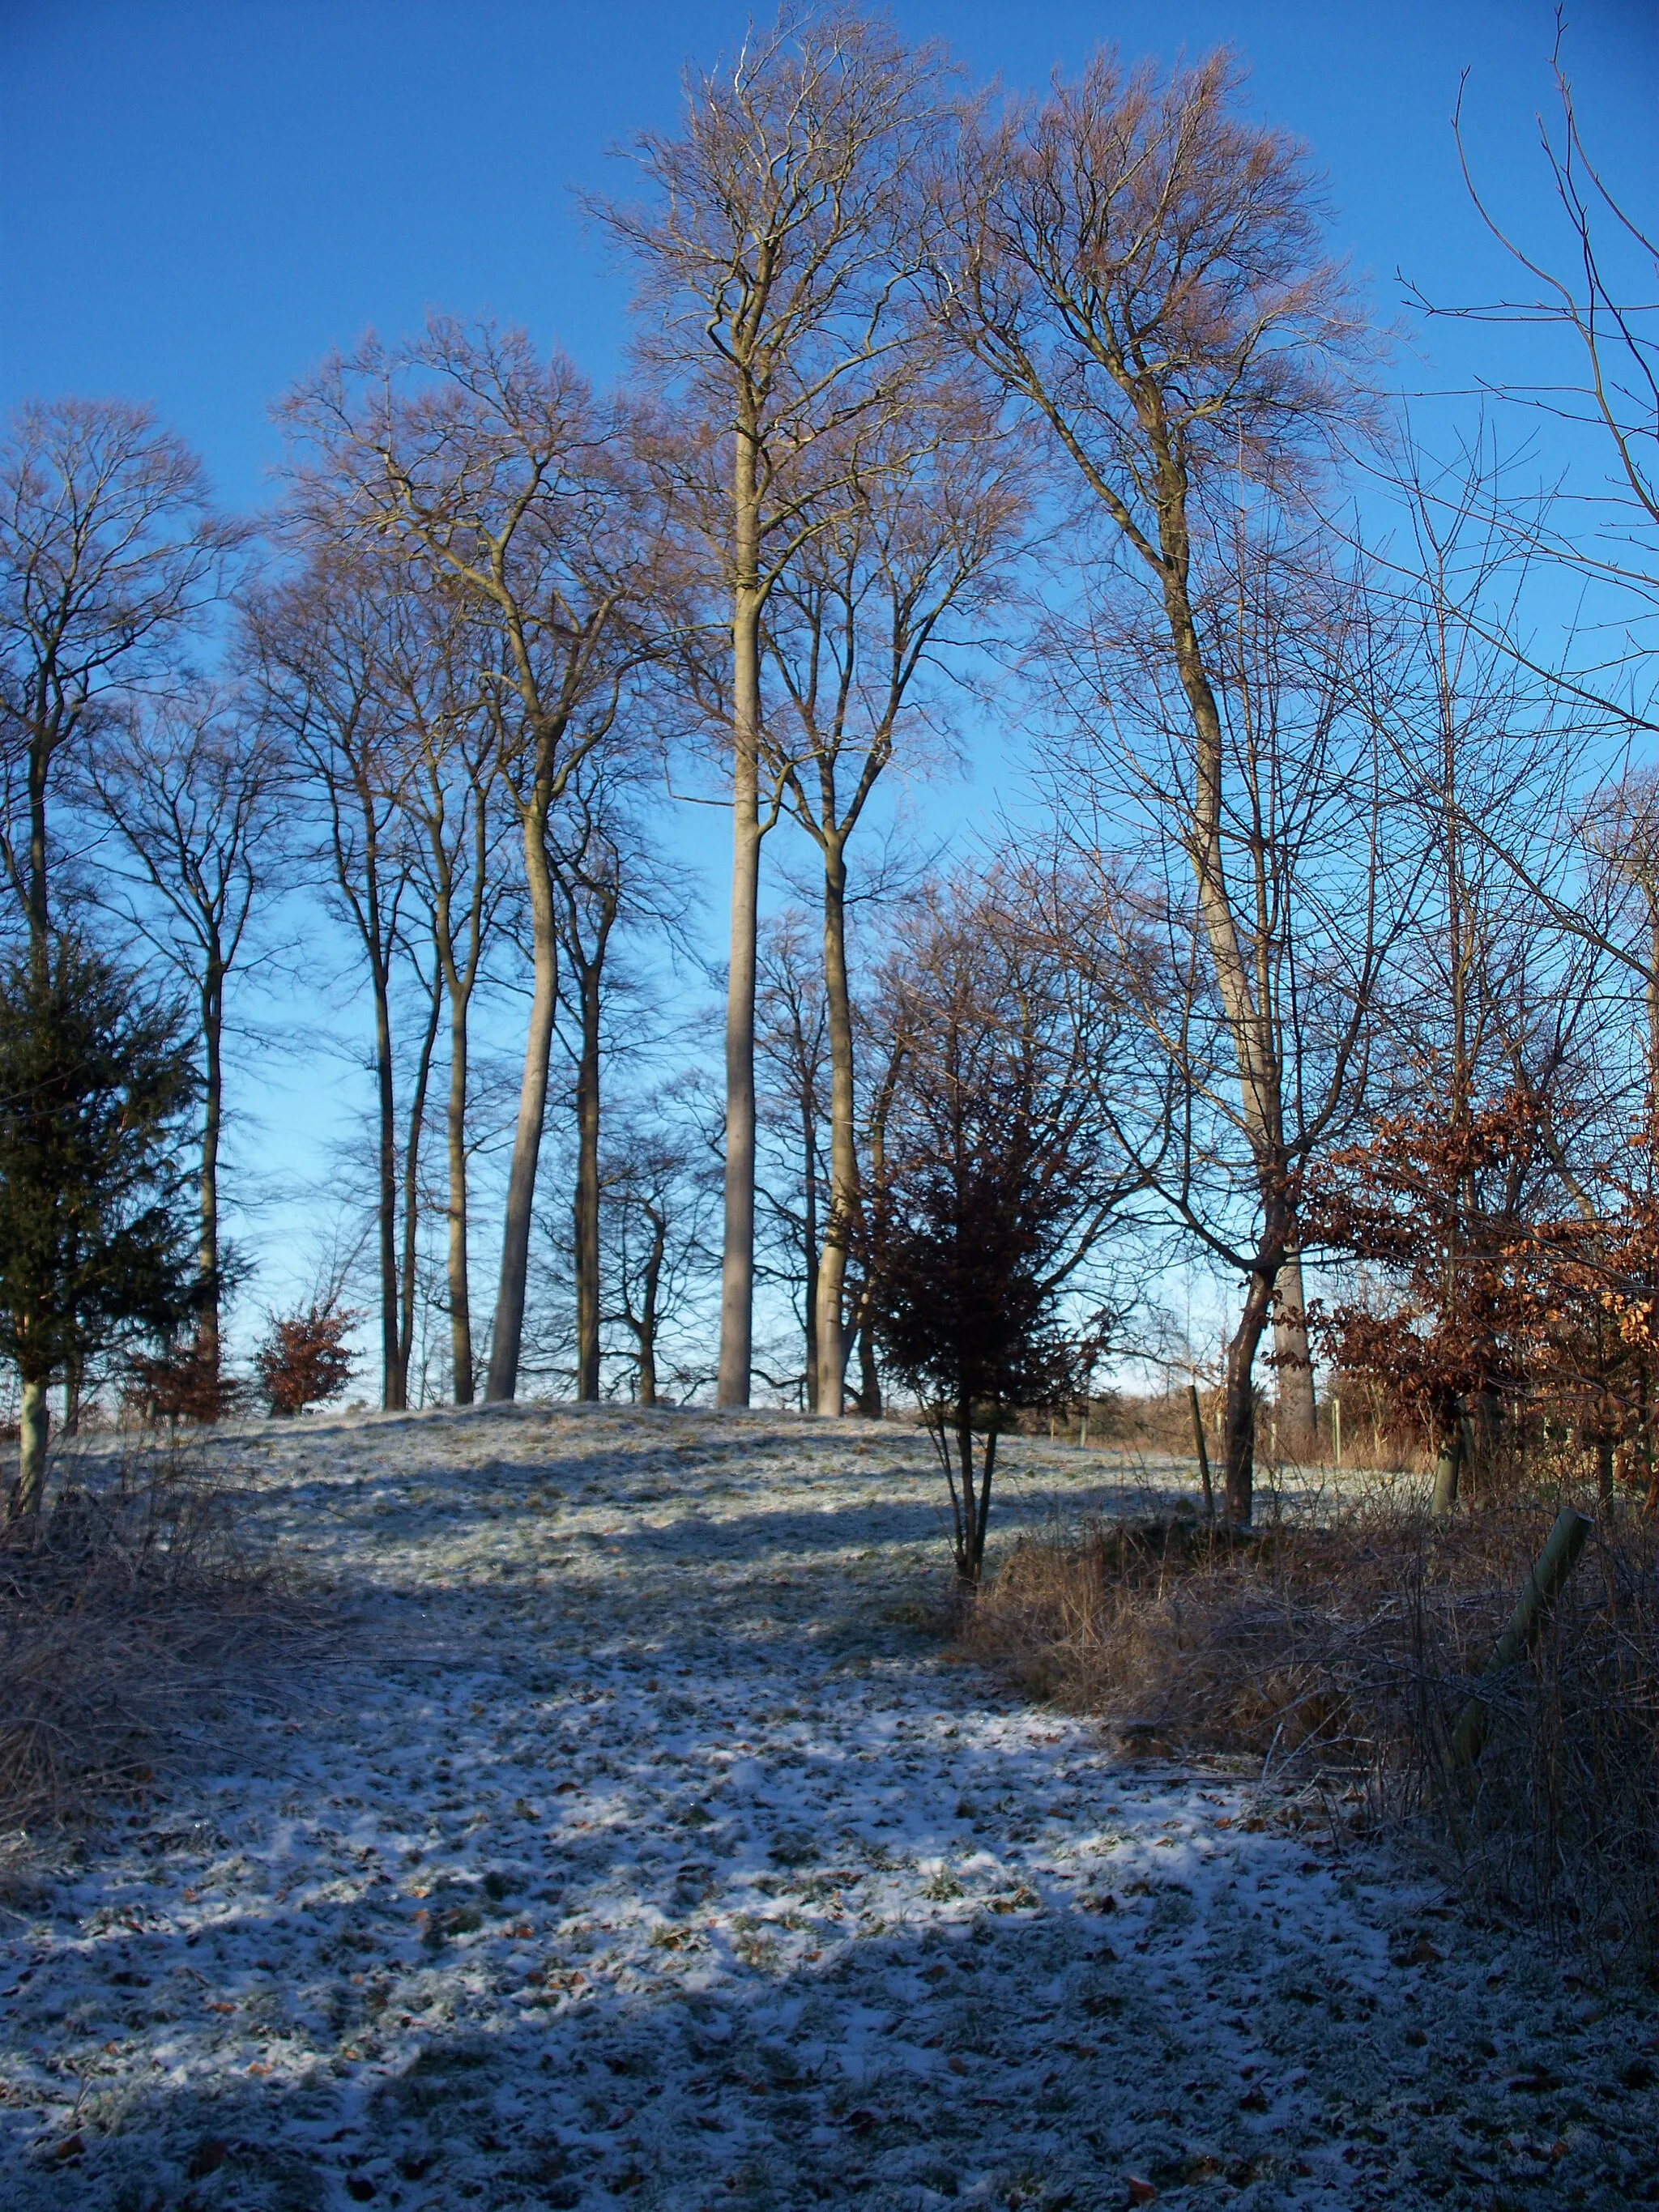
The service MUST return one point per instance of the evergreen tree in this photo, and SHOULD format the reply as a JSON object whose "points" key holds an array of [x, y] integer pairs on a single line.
{"points": [[97, 1082]]}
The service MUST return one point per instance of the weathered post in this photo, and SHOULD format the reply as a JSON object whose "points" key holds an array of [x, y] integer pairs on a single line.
{"points": [[1336, 1430], [1546, 1583]]}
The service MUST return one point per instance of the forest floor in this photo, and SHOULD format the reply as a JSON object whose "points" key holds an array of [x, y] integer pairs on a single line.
{"points": [[648, 1845]]}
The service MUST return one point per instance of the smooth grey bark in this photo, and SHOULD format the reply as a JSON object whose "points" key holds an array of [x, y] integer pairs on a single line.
{"points": [[590, 980], [459, 978], [507, 1336], [212, 1005], [33, 1424], [650, 1290], [830, 1393], [415, 1132], [738, 1246], [1298, 1412]]}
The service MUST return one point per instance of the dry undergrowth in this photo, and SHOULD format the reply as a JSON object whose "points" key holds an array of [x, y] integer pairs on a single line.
{"points": [[129, 1612], [1346, 1651]]}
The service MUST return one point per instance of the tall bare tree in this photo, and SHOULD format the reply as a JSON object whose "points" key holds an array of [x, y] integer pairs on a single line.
{"points": [[659, 1186], [193, 796], [610, 883], [440, 685], [927, 521], [774, 252], [109, 553], [1141, 269], [476, 460], [320, 649], [792, 1053]]}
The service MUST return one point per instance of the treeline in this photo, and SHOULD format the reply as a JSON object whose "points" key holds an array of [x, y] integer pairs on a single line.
{"points": [[1327, 936]]}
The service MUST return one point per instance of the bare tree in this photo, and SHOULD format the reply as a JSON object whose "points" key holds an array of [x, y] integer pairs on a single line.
{"points": [[928, 521], [320, 649], [774, 252], [1140, 268], [478, 461], [658, 1181], [609, 882], [792, 1054], [109, 552], [452, 788], [193, 796], [1598, 295], [1595, 293]]}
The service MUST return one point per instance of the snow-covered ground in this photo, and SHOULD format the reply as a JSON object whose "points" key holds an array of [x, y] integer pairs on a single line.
{"points": [[649, 1846]]}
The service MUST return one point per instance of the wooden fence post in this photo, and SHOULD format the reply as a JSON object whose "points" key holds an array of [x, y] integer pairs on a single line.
{"points": [[1547, 1580]]}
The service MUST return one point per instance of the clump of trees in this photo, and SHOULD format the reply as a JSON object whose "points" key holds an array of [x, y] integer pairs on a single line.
{"points": [[1325, 955]]}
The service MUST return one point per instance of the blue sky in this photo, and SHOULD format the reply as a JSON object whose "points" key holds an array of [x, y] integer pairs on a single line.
{"points": [[201, 199]]}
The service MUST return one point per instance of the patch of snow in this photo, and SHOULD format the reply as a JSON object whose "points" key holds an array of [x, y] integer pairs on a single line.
{"points": [[651, 1853]]}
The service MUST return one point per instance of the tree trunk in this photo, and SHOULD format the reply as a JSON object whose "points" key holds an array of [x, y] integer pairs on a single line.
{"points": [[586, 1209], [1239, 1409], [207, 1251], [412, 1186], [738, 1254], [74, 1382], [39, 933], [1447, 1468], [1250, 1026], [459, 983], [869, 1373], [830, 1395], [460, 1307], [809, 1231], [508, 1334], [391, 1393], [1298, 1414], [649, 1314], [31, 1451]]}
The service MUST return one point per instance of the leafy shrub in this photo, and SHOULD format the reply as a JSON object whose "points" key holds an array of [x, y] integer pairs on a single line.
{"points": [[304, 1361]]}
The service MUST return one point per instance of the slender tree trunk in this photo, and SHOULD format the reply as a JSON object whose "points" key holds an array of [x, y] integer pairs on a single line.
{"points": [[207, 1251], [39, 931], [412, 1183], [1239, 1409], [508, 1334], [1298, 1412], [392, 1394], [869, 1373], [830, 1395], [31, 1449], [649, 1293], [809, 1230], [460, 1308], [1249, 1025], [1446, 1469], [738, 1255], [459, 983], [872, 1200], [588, 1189]]}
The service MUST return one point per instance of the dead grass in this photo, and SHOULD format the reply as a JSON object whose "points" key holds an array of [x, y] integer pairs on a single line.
{"points": [[128, 1614], [1343, 1653]]}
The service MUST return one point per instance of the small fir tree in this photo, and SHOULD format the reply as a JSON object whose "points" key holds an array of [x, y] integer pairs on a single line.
{"points": [[97, 1082]]}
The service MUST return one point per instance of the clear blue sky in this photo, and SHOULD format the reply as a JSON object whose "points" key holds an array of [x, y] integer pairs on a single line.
{"points": [[201, 196]]}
